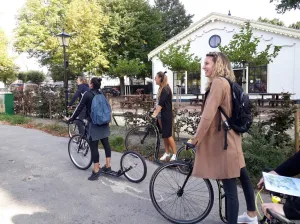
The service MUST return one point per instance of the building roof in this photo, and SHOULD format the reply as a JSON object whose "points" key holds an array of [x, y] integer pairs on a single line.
{"points": [[293, 33]]}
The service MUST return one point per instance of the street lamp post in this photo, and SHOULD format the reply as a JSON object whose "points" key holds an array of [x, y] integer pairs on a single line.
{"points": [[63, 39]]}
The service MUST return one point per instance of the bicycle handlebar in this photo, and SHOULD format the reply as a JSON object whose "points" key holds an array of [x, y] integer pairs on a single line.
{"points": [[279, 217]]}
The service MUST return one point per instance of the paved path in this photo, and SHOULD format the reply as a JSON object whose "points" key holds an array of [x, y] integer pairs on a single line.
{"points": [[39, 184]]}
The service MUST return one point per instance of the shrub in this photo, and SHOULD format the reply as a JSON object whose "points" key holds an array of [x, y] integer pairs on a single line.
{"points": [[261, 151]]}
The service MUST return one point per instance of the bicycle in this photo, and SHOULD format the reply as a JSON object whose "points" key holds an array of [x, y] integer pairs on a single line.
{"points": [[276, 218], [180, 190], [145, 139], [130, 161], [73, 127]]}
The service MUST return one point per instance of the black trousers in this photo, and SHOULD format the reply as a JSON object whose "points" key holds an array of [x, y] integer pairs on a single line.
{"points": [[230, 188], [94, 149]]}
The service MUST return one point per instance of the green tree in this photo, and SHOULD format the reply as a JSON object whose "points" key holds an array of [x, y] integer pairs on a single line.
{"points": [[135, 28], [295, 25], [57, 73], [40, 21], [36, 77], [126, 67], [178, 59], [175, 17], [22, 76], [274, 21], [243, 48], [7, 67], [286, 5]]}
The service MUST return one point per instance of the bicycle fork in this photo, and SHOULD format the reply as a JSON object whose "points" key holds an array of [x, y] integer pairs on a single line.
{"points": [[221, 197]]}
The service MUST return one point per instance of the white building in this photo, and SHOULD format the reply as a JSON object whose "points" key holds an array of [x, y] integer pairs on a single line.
{"points": [[282, 75]]}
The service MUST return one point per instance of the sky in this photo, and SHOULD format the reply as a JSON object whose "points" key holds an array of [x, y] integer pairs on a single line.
{"points": [[248, 9]]}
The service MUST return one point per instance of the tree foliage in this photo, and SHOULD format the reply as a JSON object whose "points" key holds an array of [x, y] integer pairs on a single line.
{"points": [[295, 25], [36, 77], [40, 21], [179, 59], [286, 5], [274, 21], [174, 17], [243, 48], [7, 66], [134, 30]]}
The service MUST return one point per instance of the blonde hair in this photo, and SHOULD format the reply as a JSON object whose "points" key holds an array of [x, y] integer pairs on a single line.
{"points": [[222, 67], [83, 80], [163, 83]]}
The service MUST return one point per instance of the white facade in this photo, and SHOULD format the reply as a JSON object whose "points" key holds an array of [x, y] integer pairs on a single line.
{"points": [[283, 74]]}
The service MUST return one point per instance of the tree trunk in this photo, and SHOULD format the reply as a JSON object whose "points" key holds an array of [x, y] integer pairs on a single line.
{"points": [[122, 85]]}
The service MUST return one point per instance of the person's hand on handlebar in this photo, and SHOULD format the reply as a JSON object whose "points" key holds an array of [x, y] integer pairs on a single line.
{"points": [[261, 181], [189, 144], [66, 119]]}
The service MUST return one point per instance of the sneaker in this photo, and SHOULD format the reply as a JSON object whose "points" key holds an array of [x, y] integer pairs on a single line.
{"points": [[244, 218], [105, 169], [94, 175], [173, 157], [165, 155]]}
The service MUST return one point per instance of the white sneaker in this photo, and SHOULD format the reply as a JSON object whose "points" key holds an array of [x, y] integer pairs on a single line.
{"points": [[244, 218], [165, 155], [173, 157]]}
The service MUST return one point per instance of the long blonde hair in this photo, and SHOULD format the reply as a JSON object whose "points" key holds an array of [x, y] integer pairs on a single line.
{"points": [[163, 83], [222, 67]]}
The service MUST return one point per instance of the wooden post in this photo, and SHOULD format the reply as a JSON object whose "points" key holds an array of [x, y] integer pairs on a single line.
{"points": [[297, 131], [50, 114]]}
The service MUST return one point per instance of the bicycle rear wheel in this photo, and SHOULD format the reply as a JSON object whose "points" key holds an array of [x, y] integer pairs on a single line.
{"points": [[80, 152], [190, 204], [142, 139], [136, 166]]}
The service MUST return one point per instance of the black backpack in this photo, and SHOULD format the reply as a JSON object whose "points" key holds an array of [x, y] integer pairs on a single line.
{"points": [[241, 119]]}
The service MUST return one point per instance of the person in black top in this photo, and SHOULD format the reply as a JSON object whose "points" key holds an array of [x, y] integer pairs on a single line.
{"points": [[82, 88], [291, 208], [164, 108], [95, 132]]}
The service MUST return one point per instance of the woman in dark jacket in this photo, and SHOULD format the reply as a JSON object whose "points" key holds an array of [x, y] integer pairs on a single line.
{"points": [[82, 88], [95, 132]]}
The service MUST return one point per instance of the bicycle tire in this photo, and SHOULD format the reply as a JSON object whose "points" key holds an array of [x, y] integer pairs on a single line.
{"points": [[142, 162], [134, 137], [171, 165], [84, 151], [73, 127]]}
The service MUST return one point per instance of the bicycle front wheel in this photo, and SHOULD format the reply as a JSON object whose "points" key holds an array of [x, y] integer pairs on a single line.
{"points": [[134, 165], [142, 139], [178, 204], [80, 152]]}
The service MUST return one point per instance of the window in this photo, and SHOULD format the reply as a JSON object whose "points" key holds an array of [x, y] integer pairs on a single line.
{"points": [[257, 79], [179, 81], [193, 82], [214, 41]]}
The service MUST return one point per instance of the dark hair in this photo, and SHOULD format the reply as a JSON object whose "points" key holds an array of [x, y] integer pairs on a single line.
{"points": [[96, 82], [162, 76]]}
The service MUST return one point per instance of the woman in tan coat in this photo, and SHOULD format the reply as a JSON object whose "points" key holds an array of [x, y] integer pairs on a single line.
{"points": [[212, 160]]}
